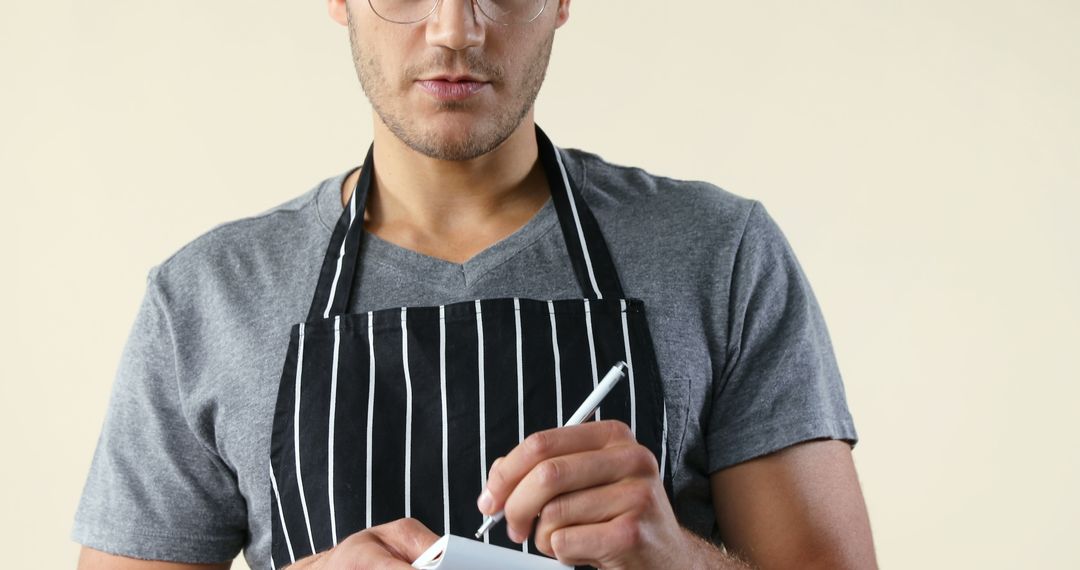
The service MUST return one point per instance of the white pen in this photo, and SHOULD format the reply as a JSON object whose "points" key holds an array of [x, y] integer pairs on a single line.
{"points": [[585, 410]]}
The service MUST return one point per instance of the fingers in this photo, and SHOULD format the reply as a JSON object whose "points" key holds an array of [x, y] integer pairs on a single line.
{"points": [[544, 445], [595, 505], [566, 474], [391, 546], [598, 543], [407, 539]]}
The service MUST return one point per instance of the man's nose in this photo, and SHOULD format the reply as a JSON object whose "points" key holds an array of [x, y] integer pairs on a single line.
{"points": [[455, 24]]}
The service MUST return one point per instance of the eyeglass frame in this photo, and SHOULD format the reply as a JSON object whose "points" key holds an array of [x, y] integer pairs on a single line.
{"points": [[435, 6]]}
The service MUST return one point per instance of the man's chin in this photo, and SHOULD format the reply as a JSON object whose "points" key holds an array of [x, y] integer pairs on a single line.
{"points": [[457, 148], [451, 139], [453, 124]]}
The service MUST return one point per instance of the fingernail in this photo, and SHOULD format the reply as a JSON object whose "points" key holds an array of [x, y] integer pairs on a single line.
{"points": [[485, 501], [514, 536]]}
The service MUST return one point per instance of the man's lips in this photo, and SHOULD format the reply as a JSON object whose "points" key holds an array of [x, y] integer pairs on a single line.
{"points": [[454, 78], [446, 89]]}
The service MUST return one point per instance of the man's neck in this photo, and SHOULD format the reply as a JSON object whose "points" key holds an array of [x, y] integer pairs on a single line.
{"points": [[452, 209]]}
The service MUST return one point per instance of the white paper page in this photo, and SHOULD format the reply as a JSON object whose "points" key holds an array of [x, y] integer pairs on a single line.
{"points": [[457, 553]]}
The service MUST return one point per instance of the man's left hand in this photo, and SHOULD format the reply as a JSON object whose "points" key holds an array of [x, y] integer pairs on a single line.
{"points": [[598, 495]]}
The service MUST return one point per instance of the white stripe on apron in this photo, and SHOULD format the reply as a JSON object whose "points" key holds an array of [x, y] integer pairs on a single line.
{"points": [[558, 365], [370, 414], [483, 411], [445, 428], [341, 255], [408, 412], [520, 387], [629, 369], [296, 435], [580, 232], [592, 351], [281, 514], [330, 437]]}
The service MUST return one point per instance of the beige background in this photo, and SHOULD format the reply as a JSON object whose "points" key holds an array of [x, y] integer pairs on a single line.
{"points": [[921, 156]]}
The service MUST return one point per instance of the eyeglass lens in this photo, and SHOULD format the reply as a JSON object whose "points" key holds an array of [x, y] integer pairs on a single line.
{"points": [[501, 11]]}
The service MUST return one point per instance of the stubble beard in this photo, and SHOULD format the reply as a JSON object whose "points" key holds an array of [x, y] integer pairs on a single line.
{"points": [[485, 136]]}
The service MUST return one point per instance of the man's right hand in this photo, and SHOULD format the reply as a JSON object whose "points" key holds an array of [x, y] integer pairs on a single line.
{"points": [[391, 546]]}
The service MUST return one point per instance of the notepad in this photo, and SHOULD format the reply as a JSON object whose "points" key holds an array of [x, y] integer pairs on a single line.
{"points": [[457, 553]]}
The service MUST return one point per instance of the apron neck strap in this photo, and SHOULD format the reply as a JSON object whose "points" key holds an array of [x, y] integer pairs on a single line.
{"points": [[589, 254], [333, 292]]}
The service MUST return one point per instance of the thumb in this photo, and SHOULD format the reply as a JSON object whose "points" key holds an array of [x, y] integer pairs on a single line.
{"points": [[408, 538]]}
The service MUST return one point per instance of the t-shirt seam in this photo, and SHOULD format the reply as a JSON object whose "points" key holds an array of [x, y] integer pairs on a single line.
{"points": [[786, 423], [551, 225], [403, 272], [731, 275], [719, 375], [450, 289], [255, 217], [807, 420], [173, 342], [478, 278], [525, 246], [318, 203], [584, 161], [89, 529]]}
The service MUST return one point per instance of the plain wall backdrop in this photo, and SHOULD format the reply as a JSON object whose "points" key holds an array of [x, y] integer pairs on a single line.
{"points": [[921, 156]]}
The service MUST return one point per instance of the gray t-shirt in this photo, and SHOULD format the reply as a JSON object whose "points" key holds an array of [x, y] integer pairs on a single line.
{"points": [[180, 471]]}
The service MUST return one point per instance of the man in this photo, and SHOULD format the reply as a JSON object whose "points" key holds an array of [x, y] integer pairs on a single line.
{"points": [[456, 281]]}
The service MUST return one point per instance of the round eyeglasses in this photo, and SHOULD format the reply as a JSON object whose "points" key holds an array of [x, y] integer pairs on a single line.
{"points": [[505, 12]]}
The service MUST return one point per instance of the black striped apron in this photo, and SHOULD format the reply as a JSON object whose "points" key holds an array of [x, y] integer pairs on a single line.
{"points": [[400, 412]]}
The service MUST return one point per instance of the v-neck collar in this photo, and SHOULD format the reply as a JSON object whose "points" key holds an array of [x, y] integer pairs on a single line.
{"points": [[435, 271]]}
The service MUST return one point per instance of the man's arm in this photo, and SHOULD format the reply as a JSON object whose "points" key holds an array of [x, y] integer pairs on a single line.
{"points": [[90, 559], [389, 546], [157, 488], [800, 507]]}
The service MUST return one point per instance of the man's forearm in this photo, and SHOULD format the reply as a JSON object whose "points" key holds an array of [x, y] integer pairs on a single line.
{"points": [[704, 554]]}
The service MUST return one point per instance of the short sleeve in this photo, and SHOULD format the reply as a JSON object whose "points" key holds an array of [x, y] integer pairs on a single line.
{"points": [[780, 384], [155, 491]]}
